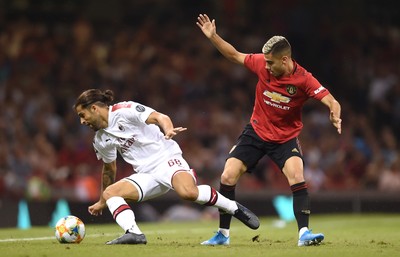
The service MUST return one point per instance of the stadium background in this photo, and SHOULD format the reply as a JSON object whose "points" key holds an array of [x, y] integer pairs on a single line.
{"points": [[153, 52]]}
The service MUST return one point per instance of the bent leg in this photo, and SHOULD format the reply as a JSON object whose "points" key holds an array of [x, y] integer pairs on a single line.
{"points": [[115, 196], [184, 185], [186, 188], [233, 169]]}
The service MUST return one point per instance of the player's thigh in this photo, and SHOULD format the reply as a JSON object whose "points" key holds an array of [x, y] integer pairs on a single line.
{"points": [[147, 186], [185, 186], [244, 156], [288, 156], [167, 170], [233, 169], [123, 189], [293, 170]]}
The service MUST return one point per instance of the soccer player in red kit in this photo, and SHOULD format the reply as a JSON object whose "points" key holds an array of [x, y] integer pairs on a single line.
{"points": [[282, 89]]}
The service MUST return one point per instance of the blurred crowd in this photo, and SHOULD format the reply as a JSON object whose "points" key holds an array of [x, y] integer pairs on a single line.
{"points": [[152, 52]]}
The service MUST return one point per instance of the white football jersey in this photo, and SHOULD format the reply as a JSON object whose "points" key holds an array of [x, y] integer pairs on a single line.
{"points": [[140, 144]]}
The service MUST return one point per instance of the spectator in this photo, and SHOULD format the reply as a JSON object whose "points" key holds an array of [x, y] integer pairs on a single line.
{"points": [[389, 180]]}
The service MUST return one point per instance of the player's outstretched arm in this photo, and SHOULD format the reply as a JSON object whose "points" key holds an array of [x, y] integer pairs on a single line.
{"points": [[335, 111], [209, 29], [165, 123]]}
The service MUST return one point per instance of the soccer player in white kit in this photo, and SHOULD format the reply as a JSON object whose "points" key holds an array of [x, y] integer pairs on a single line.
{"points": [[143, 137]]}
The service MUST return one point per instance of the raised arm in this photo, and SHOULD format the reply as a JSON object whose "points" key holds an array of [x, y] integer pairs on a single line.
{"points": [[210, 31], [335, 111]]}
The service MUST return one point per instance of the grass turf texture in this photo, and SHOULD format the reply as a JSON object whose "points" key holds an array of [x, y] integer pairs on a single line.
{"points": [[345, 235]]}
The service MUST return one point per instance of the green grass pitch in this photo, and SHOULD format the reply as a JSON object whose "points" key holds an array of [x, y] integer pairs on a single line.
{"points": [[345, 235]]}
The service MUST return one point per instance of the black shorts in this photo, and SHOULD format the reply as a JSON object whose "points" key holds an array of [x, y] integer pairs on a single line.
{"points": [[250, 148]]}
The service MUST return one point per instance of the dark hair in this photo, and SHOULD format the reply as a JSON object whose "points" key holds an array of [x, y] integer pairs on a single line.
{"points": [[94, 96]]}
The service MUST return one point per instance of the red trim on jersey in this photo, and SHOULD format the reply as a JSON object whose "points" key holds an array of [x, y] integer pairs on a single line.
{"points": [[299, 145], [191, 172], [194, 173], [278, 102], [120, 105]]}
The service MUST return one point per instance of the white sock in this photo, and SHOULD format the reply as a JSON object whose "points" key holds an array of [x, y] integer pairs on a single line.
{"points": [[224, 231], [302, 230], [206, 193], [123, 214]]}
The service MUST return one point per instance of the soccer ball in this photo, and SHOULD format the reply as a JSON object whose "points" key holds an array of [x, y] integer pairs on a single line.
{"points": [[70, 229]]}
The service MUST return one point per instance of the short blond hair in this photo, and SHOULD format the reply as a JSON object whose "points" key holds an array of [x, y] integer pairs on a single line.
{"points": [[277, 45]]}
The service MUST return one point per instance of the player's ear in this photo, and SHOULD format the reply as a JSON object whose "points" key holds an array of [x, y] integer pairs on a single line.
{"points": [[93, 108]]}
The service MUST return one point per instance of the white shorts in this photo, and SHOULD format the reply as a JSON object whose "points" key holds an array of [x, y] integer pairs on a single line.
{"points": [[159, 182]]}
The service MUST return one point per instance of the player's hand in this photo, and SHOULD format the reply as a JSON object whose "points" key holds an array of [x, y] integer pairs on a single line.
{"points": [[336, 121], [170, 134], [97, 208], [208, 27]]}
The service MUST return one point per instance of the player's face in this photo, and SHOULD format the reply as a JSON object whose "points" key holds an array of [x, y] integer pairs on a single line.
{"points": [[89, 117], [274, 65]]}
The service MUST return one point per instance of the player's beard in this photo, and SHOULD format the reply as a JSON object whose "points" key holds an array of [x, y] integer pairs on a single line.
{"points": [[277, 74], [94, 126]]}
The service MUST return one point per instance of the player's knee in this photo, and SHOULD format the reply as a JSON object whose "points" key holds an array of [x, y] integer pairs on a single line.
{"points": [[189, 194], [295, 177], [299, 178], [108, 193], [229, 178]]}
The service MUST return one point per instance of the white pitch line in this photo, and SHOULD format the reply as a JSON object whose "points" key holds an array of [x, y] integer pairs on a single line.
{"points": [[169, 231], [91, 235], [46, 238], [25, 239]]}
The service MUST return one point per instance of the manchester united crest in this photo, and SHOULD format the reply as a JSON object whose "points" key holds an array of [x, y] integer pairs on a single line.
{"points": [[291, 89]]}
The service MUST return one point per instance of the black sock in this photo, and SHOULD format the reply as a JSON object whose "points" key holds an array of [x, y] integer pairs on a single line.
{"points": [[228, 192], [301, 204]]}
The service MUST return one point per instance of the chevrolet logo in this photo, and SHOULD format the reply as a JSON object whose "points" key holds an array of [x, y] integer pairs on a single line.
{"points": [[276, 97]]}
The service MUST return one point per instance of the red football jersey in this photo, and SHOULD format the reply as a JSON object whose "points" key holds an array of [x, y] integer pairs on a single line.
{"points": [[279, 101]]}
